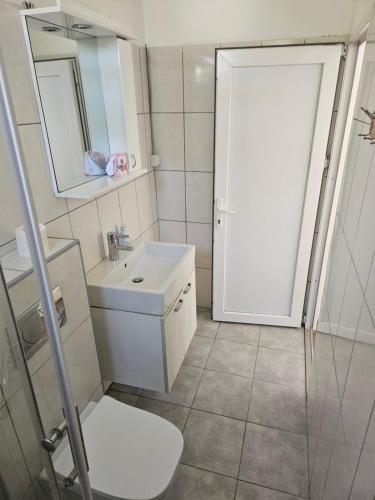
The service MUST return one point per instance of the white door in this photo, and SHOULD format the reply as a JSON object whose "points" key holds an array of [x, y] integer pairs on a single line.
{"points": [[61, 112], [273, 112]]}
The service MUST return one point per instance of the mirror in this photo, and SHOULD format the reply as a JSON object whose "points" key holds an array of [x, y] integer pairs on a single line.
{"points": [[69, 81]]}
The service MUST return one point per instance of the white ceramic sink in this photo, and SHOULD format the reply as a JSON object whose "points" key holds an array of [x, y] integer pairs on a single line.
{"points": [[145, 280]]}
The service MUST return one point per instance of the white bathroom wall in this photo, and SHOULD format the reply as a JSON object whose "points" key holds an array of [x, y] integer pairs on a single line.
{"points": [[182, 105], [87, 221], [177, 22]]}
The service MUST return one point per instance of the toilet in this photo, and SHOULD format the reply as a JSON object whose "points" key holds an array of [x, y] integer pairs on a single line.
{"points": [[132, 454]]}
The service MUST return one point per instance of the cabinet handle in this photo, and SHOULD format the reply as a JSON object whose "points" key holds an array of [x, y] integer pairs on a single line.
{"points": [[134, 161], [187, 289], [179, 305]]}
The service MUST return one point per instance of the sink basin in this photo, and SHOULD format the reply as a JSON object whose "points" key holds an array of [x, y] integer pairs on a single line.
{"points": [[146, 280]]}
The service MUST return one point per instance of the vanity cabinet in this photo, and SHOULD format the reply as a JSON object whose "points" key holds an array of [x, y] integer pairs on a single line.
{"points": [[146, 350]]}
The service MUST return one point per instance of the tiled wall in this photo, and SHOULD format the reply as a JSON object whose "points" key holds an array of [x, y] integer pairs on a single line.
{"points": [[134, 204], [77, 335], [341, 372], [182, 86]]}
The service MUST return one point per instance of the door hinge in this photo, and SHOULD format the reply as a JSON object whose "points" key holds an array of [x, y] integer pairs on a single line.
{"points": [[344, 52]]}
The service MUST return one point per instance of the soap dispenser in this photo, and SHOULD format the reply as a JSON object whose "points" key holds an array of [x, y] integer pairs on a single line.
{"points": [[123, 237]]}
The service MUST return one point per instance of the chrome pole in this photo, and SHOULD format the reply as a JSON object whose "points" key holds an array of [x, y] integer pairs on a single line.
{"points": [[17, 162]]}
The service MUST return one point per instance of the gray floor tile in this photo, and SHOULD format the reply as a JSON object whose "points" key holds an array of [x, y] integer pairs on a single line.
{"points": [[175, 414], [205, 326], [184, 387], [278, 406], [276, 459], [232, 357], [224, 394], [237, 332], [198, 351], [196, 484], [213, 442], [286, 339], [248, 491], [129, 389], [281, 367], [129, 399]]}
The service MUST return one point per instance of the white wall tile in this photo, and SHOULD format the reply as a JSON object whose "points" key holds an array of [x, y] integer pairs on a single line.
{"points": [[172, 231], [129, 209], [149, 234], [364, 246], [144, 75], [86, 227], [137, 77], [233, 45], [199, 141], [145, 160], [199, 197], [200, 235], [144, 202], [82, 364], [370, 291], [60, 228], [10, 213], [148, 136], [47, 206], [154, 201], [357, 191], [165, 65], [109, 215], [170, 187], [204, 278], [156, 232], [168, 140], [74, 203], [13, 469], [199, 78], [22, 423], [16, 61]]}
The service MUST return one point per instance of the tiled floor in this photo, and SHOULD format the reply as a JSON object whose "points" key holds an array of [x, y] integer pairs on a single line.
{"points": [[239, 400]]}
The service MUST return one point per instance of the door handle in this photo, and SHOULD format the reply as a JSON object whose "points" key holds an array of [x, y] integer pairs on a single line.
{"points": [[220, 210], [187, 289]]}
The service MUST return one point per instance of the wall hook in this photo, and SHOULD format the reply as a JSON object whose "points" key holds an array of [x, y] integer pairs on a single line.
{"points": [[370, 136]]}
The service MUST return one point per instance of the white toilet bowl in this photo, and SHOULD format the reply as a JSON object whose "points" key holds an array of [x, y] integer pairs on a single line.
{"points": [[132, 454]]}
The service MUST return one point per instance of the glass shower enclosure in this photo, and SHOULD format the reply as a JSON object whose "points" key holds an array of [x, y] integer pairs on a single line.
{"points": [[36, 413]]}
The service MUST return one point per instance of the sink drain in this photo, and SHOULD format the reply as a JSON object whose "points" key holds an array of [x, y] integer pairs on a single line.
{"points": [[137, 280]]}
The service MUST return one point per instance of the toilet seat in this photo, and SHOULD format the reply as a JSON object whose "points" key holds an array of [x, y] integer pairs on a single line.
{"points": [[132, 454]]}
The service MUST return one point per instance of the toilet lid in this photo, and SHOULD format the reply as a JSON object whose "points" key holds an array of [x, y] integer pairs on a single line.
{"points": [[132, 454]]}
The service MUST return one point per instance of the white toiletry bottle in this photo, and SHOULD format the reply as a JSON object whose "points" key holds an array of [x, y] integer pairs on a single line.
{"points": [[123, 236]]}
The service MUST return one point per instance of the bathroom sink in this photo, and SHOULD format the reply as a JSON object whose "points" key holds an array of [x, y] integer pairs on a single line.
{"points": [[145, 280]]}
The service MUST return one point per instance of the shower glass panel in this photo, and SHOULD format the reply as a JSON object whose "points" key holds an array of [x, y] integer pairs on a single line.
{"points": [[33, 403]]}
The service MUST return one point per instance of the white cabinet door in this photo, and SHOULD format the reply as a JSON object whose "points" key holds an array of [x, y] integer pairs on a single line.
{"points": [[174, 345], [273, 113], [179, 328]]}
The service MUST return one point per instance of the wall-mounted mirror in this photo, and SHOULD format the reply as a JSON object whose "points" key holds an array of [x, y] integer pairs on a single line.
{"points": [[84, 81]]}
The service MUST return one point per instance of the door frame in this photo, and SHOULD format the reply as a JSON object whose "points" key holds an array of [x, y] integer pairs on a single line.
{"points": [[329, 57]]}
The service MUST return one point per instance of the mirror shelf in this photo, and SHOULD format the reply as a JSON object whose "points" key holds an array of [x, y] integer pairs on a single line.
{"points": [[101, 185], [84, 73]]}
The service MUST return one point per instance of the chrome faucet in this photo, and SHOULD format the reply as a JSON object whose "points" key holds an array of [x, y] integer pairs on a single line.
{"points": [[114, 246]]}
